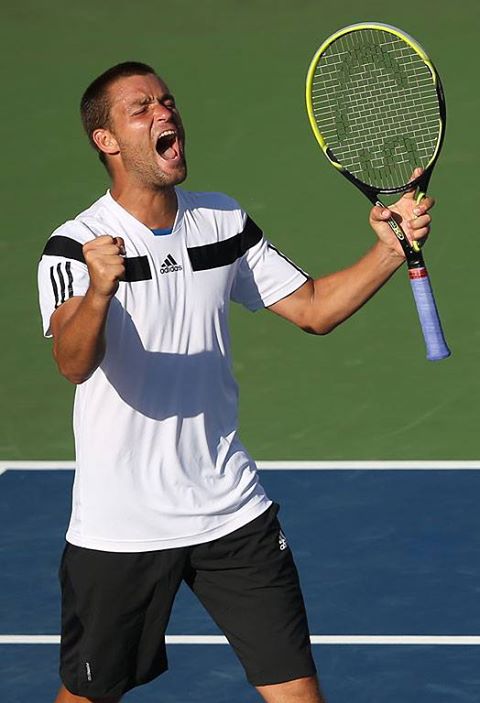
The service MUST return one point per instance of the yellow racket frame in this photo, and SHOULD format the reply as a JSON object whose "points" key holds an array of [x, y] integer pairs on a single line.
{"points": [[346, 30]]}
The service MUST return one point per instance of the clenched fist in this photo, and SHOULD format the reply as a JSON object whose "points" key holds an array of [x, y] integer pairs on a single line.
{"points": [[106, 265]]}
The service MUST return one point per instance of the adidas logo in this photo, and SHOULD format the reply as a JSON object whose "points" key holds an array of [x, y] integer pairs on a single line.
{"points": [[170, 265], [282, 541]]}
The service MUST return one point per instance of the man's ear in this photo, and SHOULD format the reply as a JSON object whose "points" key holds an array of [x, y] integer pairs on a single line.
{"points": [[105, 141]]}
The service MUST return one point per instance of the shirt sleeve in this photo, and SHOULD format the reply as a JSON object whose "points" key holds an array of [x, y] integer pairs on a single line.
{"points": [[264, 275], [62, 274]]}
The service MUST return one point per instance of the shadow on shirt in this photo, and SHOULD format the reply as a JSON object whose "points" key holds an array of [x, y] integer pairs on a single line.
{"points": [[162, 385]]}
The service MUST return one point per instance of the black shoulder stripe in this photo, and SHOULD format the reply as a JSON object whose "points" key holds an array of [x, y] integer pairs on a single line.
{"points": [[218, 254], [64, 246], [137, 268]]}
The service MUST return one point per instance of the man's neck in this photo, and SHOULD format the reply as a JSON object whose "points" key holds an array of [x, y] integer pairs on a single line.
{"points": [[156, 209]]}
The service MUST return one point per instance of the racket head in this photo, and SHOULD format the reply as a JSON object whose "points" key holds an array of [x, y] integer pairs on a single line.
{"points": [[376, 107]]}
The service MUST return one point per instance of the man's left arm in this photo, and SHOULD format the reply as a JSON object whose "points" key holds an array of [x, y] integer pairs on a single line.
{"points": [[321, 304]]}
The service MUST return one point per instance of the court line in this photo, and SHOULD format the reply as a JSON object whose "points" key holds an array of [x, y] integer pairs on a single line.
{"points": [[373, 465], [423, 640], [35, 465]]}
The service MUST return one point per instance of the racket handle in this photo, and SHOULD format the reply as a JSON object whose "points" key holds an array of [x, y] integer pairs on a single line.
{"points": [[427, 312]]}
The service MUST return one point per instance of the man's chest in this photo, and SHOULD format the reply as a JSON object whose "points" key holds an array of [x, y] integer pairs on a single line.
{"points": [[172, 271]]}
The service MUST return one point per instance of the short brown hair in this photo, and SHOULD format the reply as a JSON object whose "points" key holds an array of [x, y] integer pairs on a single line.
{"points": [[95, 106]]}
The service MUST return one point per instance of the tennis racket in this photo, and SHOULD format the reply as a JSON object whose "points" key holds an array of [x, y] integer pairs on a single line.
{"points": [[377, 109]]}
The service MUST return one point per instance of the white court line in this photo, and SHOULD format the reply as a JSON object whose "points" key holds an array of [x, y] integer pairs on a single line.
{"points": [[429, 640], [373, 465], [35, 465], [368, 465]]}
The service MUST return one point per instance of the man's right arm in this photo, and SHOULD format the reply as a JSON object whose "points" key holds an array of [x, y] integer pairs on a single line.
{"points": [[78, 326]]}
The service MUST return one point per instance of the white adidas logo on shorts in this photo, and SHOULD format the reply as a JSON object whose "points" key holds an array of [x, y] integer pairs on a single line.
{"points": [[282, 541]]}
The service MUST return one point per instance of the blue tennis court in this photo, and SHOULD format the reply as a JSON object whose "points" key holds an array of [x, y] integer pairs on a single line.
{"points": [[389, 558]]}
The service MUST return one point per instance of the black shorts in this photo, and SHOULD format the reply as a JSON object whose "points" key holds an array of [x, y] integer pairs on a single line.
{"points": [[116, 606]]}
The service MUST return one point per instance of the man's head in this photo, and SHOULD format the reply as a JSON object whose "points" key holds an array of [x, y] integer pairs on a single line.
{"points": [[131, 120]]}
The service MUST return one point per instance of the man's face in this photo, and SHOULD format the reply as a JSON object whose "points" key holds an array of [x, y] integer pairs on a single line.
{"points": [[148, 130]]}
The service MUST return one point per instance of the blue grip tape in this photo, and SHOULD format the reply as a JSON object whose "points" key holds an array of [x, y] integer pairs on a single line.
{"points": [[427, 312]]}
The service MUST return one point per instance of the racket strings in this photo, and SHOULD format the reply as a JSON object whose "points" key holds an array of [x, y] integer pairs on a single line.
{"points": [[376, 106]]}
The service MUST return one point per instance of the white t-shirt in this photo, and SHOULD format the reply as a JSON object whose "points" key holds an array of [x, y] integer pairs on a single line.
{"points": [[158, 460]]}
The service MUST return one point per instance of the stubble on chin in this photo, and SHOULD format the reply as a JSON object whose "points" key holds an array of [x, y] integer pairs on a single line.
{"points": [[149, 173]]}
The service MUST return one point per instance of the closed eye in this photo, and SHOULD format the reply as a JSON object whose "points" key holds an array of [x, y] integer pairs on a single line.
{"points": [[140, 107]]}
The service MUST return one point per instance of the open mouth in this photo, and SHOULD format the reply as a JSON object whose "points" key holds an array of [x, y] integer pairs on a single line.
{"points": [[167, 145]]}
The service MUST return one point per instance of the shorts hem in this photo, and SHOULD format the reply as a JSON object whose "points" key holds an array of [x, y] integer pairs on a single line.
{"points": [[114, 691], [274, 679]]}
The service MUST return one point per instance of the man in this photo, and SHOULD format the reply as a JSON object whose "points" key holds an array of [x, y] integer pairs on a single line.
{"points": [[135, 292]]}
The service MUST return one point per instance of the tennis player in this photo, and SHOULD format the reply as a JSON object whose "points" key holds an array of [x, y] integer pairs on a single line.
{"points": [[135, 291]]}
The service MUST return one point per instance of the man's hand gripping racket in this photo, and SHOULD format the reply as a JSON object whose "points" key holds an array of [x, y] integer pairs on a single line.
{"points": [[376, 107]]}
